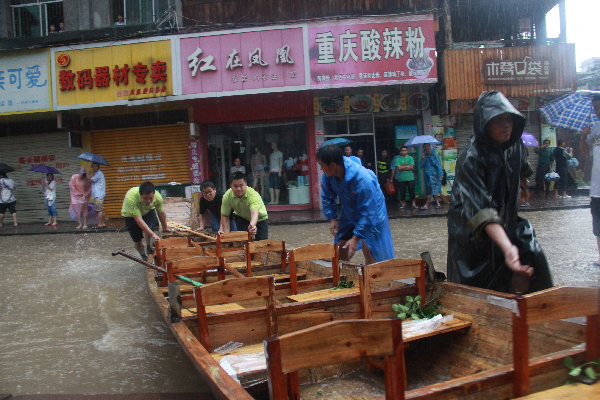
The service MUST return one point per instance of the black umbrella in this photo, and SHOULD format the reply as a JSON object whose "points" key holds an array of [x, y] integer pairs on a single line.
{"points": [[6, 168]]}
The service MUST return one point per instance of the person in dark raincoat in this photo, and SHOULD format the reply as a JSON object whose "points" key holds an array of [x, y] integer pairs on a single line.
{"points": [[489, 245], [363, 218]]}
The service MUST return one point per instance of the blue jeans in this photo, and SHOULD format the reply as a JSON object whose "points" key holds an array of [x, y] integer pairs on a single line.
{"points": [[51, 206], [215, 223]]}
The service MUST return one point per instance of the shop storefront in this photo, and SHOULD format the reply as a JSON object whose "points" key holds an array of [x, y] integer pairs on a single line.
{"points": [[119, 94], [286, 90], [528, 76]]}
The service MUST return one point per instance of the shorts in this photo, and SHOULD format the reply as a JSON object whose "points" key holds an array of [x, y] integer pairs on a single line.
{"points": [[595, 209], [274, 180], [348, 235], [12, 207], [99, 203], [136, 233]]}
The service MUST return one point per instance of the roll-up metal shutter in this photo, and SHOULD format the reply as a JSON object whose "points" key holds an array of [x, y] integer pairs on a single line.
{"points": [[158, 154], [24, 151]]}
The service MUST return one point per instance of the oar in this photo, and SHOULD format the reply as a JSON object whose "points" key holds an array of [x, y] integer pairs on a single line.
{"points": [[122, 252], [184, 228]]}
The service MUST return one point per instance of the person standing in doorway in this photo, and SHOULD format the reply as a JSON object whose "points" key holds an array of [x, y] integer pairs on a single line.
{"points": [[275, 168], [403, 171], [384, 173], [98, 194], [50, 199], [591, 137], [237, 166], [545, 165], [363, 219], [433, 176], [561, 155], [7, 198]]}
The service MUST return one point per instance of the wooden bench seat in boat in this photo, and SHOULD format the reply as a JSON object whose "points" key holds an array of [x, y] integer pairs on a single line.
{"points": [[314, 252], [233, 291], [551, 305], [333, 343], [324, 294], [193, 266], [392, 270], [226, 247], [264, 247]]}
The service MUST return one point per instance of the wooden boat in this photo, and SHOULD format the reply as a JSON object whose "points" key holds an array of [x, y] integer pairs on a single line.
{"points": [[472, 357]]}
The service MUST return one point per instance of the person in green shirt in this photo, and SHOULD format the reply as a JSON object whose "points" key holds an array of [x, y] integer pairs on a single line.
{"points": [[403, 168], [249, 209], [140, 206]]}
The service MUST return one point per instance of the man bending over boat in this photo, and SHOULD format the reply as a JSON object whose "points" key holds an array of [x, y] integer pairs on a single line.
{"points": [[363, 220], [250, 213], [489, 245], [140, 206]]}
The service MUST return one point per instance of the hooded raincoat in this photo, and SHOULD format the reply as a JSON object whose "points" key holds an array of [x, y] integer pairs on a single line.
{"points": [[363, 207], [486, 190]]}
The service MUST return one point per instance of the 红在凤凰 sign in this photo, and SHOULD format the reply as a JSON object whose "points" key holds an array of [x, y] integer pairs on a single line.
{"points": [[372, 51], [516, 72], [242, 61], [111, 74]]}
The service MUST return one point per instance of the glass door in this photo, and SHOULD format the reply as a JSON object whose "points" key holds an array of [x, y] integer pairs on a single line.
{"points": [[360, 130]]}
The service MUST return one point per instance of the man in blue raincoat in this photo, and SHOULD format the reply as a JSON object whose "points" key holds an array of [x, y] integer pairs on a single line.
{"points": [[363, 218], [434, 174]]}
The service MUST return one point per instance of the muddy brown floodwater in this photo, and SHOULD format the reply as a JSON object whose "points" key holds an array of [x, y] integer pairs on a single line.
{"points": [[76, 320]]}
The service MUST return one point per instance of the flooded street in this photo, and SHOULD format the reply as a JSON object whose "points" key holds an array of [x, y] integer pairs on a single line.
{"points": [[77, 320]]}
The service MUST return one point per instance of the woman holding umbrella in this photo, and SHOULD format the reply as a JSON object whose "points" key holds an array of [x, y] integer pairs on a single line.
{"points": [[50, 198], [81, 191]]}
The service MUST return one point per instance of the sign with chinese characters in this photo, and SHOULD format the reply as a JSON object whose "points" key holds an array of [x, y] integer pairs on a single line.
{"points": [[255, 61], [24, 82], [195, 158], [516, 72], [369, 52], [112, 74], [141, 167]]}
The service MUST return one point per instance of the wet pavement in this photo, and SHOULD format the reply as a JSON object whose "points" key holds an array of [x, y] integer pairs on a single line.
{"points": [[298, 216], [76, 320]]}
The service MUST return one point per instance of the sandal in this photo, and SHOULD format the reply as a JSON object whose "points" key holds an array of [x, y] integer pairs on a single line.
{"points": [[423, 208], [400, 206], [438, 207], [47, 224]]}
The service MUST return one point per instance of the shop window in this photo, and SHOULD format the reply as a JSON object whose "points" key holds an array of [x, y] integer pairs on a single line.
{"points": [[137, 12], [33, 18], [252, 144]]}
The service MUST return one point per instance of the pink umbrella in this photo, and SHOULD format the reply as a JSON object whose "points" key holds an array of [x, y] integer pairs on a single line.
{"points": [[529, 139]]}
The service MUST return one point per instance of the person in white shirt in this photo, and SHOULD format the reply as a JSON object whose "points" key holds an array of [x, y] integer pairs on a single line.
{"points": [[50, 199], [98, 194], [591, 137], [7, 198]]}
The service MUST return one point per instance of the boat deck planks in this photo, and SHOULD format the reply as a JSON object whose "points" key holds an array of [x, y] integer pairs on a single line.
{"points": [[215, 309], [572, 391], [323, 294], [452, 325], [250, 349]]}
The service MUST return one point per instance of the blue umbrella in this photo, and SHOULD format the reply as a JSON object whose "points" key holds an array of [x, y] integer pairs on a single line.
{"points": [[336, 142], [572, 111], [44, 169], [93, 157], [421, 139]]}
